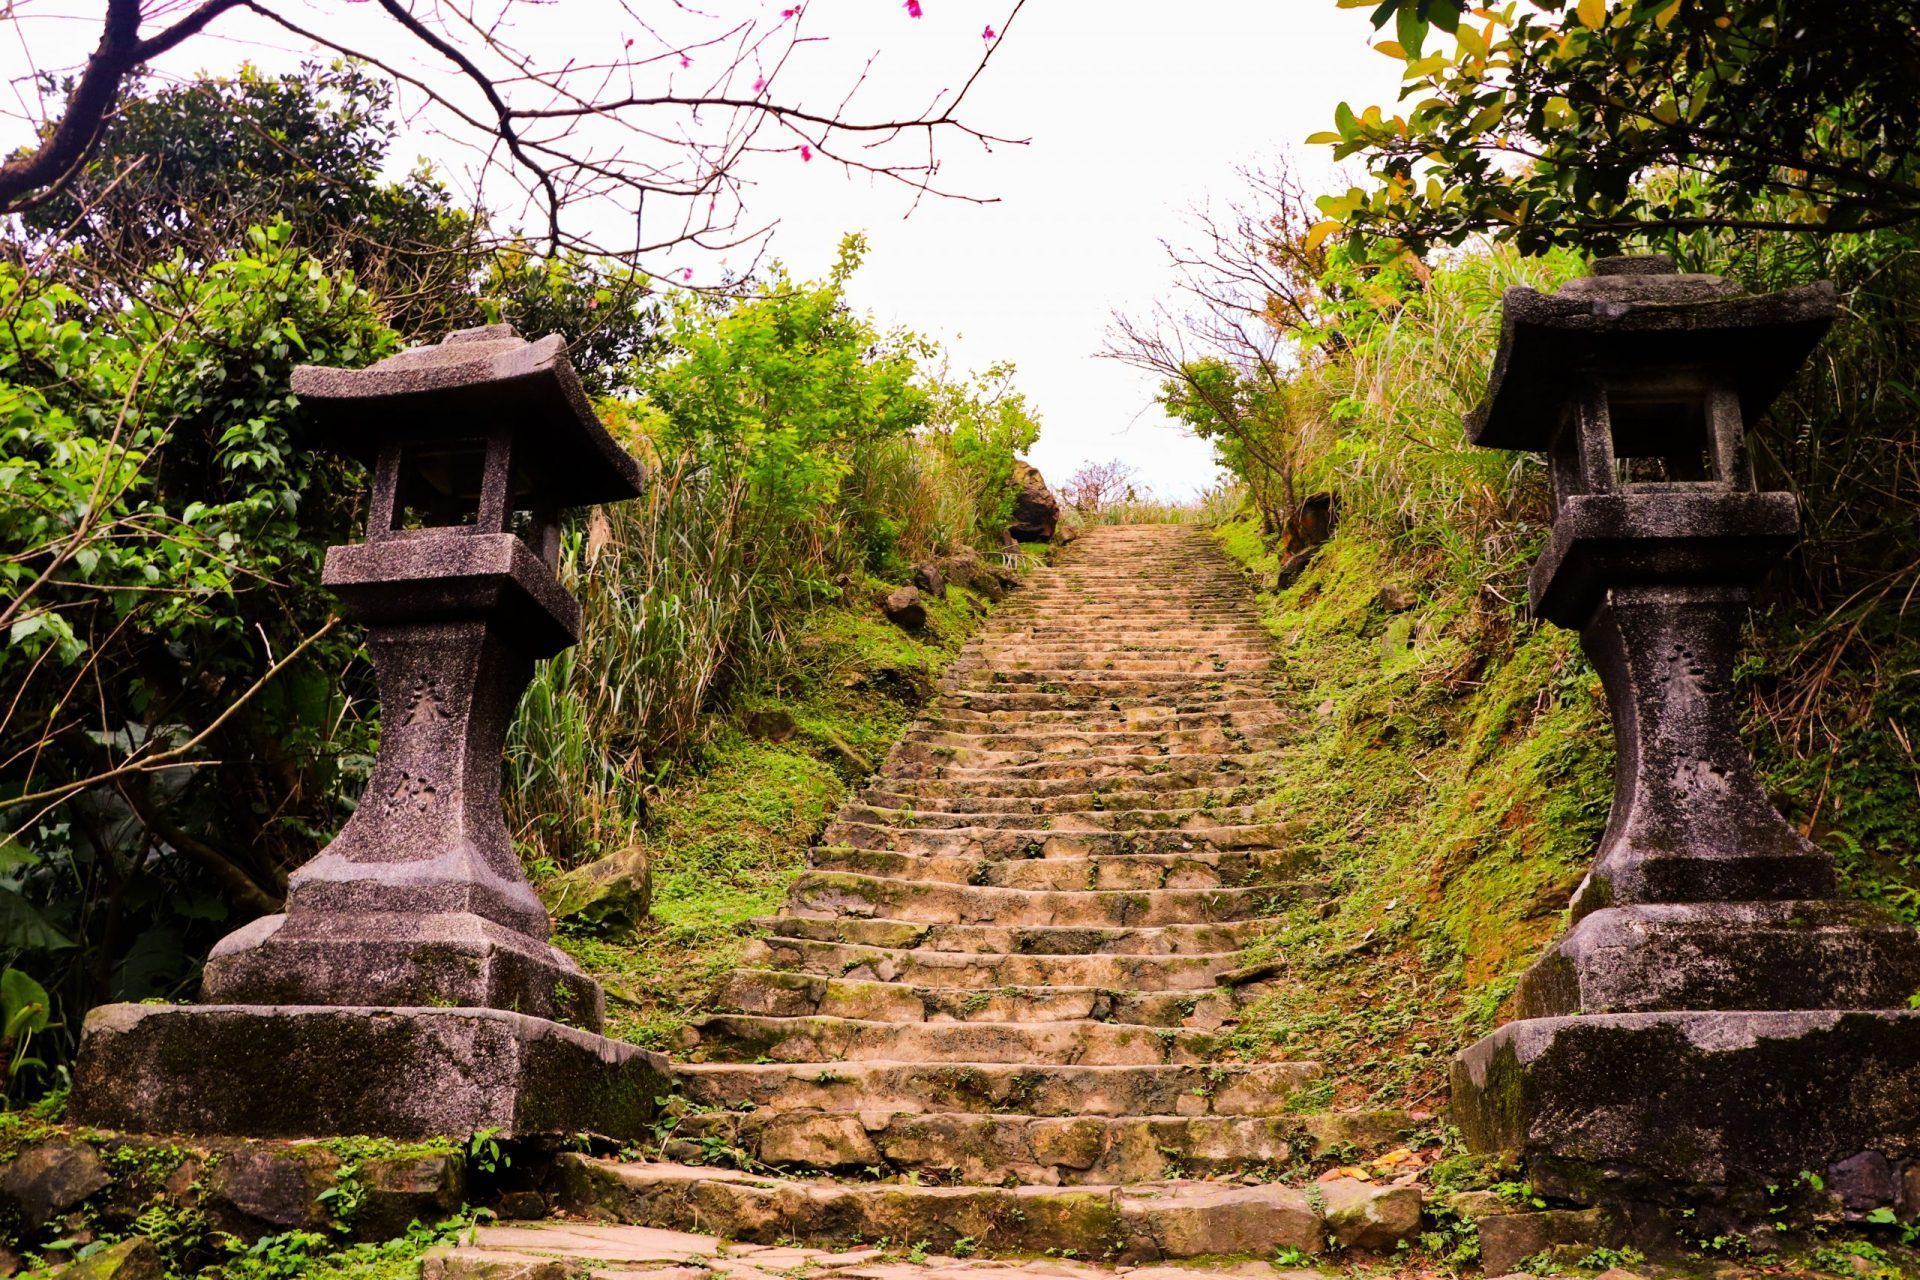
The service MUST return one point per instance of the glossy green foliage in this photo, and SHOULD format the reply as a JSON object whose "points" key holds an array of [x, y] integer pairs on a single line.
{"points": [[1542, 120]]}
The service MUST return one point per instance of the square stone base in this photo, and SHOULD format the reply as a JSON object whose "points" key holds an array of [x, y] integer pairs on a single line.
{"points": [[295, 1071], [1691, 1108]]}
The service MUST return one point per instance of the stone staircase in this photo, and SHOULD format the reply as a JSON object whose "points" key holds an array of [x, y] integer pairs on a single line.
{"points": [[990, 1013]]}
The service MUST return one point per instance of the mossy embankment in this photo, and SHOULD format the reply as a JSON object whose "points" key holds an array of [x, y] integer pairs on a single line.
{"points": [[729, 832], [1448, 776]]}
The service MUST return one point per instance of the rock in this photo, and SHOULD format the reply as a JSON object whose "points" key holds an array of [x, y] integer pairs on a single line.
{"points": [[611, 892], [1310, 524], [1290, 570], [903, 609], [45, 1181], [134, 1259], [929, 579], [521, 1206], [1396, 599], [481, 1264], [819, 1141], [399, 1190], [769, 724], [968, 568], [1036, 512], [1363, 1216], [1508, 1239], [1475, 1205], [260, 1191], [1365, 1129], [1863, 1182]]}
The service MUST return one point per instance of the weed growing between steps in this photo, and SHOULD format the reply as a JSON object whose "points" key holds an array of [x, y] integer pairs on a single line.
{"points": [[728, 835]]}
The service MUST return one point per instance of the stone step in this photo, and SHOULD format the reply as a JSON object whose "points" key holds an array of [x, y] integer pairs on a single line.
{"points": [[1066, 738], [1192, 767], [784, 994], [895, 1088], [978, 970], [1200, 869], [1147, 1222], [1069, 796], [1142, 757], [1226, 696], [1245, 715], [730, 1037], [1192, 817], [999, 1150], [1001, 843], [1033, 940], [824, 893]]}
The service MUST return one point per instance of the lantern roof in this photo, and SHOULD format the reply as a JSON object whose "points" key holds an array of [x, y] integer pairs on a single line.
{"points": [[1639, 313], [467, 384]]}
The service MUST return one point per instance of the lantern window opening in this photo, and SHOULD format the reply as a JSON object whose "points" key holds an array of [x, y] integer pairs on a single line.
{"points": [[1664, 437], [431, 485]]}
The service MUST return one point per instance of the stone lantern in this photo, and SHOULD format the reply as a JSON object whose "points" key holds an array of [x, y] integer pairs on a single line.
{"points": [[1715, 1021], [410, 986]]}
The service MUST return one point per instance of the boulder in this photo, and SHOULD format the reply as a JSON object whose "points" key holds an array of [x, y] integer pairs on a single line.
{"points": [[45, 1181], [1363, 1216], [904, 609], [261, 1191], [1396, 599], [611, 892], [930, 581], [770, 724], [1507, 1240], [399, 1190], [1036, 512], [133, 1259]]}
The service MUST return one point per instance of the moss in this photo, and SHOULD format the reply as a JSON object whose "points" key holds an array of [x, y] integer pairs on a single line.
{"points": [[1448, 794]]}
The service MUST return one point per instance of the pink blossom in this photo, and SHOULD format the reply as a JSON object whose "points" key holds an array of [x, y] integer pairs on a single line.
{"points": [[759, 83], [987, 35], [686, 273], [913, 8], [685, 61], [788, 13], [806, 152]]}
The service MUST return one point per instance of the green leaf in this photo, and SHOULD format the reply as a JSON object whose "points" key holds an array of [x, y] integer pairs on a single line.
{"points": [[24, 1003]]}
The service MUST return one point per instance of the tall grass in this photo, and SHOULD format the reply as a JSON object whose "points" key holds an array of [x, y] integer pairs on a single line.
{"points": [[690, 592]]}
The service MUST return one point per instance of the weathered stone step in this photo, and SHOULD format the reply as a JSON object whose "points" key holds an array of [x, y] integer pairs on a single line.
{"points": [[1200, 869], [1187, 765], [1225, 696], [894, 1088], [1142, 670], [1148, 1222], [1245, 715], [975, 970], [996, 1150], [1076, 821], [784, 994], [1057, 739], [1088, 756], [1069, 796], [933, 902], [732, 1037], [1036, 842], [1036, 940]]}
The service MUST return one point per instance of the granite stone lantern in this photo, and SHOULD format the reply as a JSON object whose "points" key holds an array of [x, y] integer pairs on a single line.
{"points": [[1716, 1021], [410, 986]]}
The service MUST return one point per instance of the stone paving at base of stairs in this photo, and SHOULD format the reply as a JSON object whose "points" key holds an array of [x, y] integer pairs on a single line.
{"points": [[573, 1251]]}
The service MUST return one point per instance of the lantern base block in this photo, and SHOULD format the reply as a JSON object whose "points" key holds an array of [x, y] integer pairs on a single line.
{"points": [[1776, 956], [307, 1072], [1691, 1109], [396, 959]]}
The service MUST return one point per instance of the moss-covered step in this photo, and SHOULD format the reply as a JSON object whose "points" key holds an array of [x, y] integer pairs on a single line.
{"points": [[727, 1037], [1184, 1089], [978, 970], [1130, 1224]]}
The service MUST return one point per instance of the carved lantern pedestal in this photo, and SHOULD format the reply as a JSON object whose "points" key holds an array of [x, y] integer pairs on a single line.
{"points": [[1715, 1022], [410, 988]]}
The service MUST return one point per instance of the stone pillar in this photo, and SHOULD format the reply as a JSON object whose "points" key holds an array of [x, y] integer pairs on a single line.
{"points": [[1716, 1021], [410, 987]]}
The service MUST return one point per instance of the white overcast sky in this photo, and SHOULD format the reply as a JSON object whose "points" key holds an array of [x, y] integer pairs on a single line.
{"points": [[1137, 110]]}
